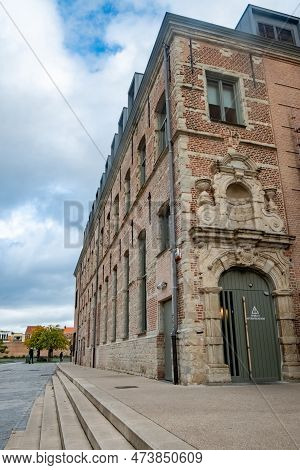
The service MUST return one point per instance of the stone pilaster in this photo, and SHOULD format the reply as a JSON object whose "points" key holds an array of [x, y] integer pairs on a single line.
{"points": [[287, 334], [217, 370]]}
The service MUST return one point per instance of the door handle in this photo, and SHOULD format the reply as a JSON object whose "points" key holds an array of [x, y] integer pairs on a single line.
{"points": [[247, 337]]}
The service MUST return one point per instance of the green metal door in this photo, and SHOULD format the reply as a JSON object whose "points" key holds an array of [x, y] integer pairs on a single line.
{"points": [[168, 326], [251, 347]]}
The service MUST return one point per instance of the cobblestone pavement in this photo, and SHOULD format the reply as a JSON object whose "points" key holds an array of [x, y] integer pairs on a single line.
{"points": [[20, 385]]}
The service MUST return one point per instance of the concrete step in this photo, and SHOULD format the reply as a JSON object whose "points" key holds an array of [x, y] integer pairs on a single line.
{"points": [[139, 430], [71, 432], [15, 441], [100, 432], [32, 436], [50, 435]]}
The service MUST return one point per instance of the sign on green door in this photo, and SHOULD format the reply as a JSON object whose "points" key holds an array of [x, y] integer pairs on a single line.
{"points": [[251, 346]]}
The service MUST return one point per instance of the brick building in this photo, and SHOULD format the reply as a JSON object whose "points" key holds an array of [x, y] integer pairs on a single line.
{"points": [[190, 266]]}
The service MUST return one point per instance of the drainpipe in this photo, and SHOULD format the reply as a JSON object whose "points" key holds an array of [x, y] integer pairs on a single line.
{"points": [[96, 301], [172, 218]]}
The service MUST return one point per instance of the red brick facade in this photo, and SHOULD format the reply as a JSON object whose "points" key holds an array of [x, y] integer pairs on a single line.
{"points": [[264, 146]]}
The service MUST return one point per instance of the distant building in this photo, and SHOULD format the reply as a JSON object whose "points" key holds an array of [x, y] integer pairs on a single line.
{"points": [[4, 335], [205, 289], [17, 337], [69, 332], [29, 331], [11, 336]]}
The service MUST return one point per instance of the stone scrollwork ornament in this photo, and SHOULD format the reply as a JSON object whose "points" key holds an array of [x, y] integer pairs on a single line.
{"points": [[203, 185], [234, 198], [272, 220], [246, 255], [206, 210]]}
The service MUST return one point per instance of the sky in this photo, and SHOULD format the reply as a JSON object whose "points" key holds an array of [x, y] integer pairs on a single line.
{"points": [[65, 70]]}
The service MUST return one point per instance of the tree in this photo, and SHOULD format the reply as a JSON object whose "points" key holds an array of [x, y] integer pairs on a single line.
{"points": [[35, 340], [3, 347], [53, 338]]}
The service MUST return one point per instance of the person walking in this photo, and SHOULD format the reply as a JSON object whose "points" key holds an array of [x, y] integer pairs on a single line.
{"points": [[30, 356], [61, 356]]}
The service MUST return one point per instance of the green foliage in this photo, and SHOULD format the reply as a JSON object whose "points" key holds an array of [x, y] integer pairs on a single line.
{"points": [[3, 347], [53, 338], [35, 341], [47, 337]]}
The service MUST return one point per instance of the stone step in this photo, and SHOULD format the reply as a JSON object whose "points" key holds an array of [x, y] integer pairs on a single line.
{"points": [[100, 432], [32, 436], [139, 430], [50, 435], [15, 441], [71, 432]]}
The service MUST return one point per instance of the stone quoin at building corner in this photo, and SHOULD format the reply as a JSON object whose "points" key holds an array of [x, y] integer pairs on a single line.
{"points": [[190, 267]]}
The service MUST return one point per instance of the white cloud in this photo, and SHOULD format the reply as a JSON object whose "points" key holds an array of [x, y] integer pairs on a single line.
{"points": [[18, 319], [46, 156]]}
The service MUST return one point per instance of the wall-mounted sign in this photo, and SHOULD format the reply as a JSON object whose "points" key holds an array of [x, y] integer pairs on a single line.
{"points": [[255, 315]]}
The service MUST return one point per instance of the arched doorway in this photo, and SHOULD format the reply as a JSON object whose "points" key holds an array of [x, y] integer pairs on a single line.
{"points": [[251, 347]]}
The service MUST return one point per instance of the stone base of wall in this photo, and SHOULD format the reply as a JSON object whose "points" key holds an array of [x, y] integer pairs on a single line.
{"points": [[140, 356]]}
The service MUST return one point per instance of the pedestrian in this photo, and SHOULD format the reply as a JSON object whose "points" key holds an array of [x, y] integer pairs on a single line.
{"points": [[30, 356], [61, 356]]}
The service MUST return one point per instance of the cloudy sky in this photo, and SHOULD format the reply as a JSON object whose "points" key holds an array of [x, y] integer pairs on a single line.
{"points": [[61, 62]]}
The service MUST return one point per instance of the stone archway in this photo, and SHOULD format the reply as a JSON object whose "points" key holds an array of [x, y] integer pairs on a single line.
{"points": [[238, 224], [271, 264]]}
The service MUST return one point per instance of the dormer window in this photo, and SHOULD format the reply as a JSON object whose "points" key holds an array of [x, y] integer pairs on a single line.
{"points": [[275, 32]]}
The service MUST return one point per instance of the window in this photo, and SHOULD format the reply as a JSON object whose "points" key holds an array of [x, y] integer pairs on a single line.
{"points": [[285, 35], [107, 232], [98, 316], [275, 32], [127, 192], [142, 282], [114, 304], [266, 30], [222, 99], [105, 308], [126, 299], [142, 155], [162, 124], [116, 214], [164, 227]]}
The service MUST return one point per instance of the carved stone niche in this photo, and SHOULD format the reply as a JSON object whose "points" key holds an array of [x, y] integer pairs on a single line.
{"points": [[239, 201]]}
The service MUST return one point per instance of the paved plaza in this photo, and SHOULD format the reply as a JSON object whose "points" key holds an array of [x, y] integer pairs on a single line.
{"points": [[205, 417], [20, 385], [209, 417]]}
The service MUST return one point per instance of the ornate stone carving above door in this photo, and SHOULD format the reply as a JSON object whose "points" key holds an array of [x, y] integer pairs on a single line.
{"points": [[235, 199]]}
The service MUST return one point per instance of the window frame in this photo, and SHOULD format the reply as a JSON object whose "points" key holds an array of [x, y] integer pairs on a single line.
{"points": [[221, 79], [276, 31]]}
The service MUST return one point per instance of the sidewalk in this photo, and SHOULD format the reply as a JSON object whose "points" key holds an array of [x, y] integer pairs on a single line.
{"points": [[209, 417]]}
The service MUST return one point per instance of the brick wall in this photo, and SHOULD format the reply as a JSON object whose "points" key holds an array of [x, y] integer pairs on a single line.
{"points": [[198, 144], [283, 82]]}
